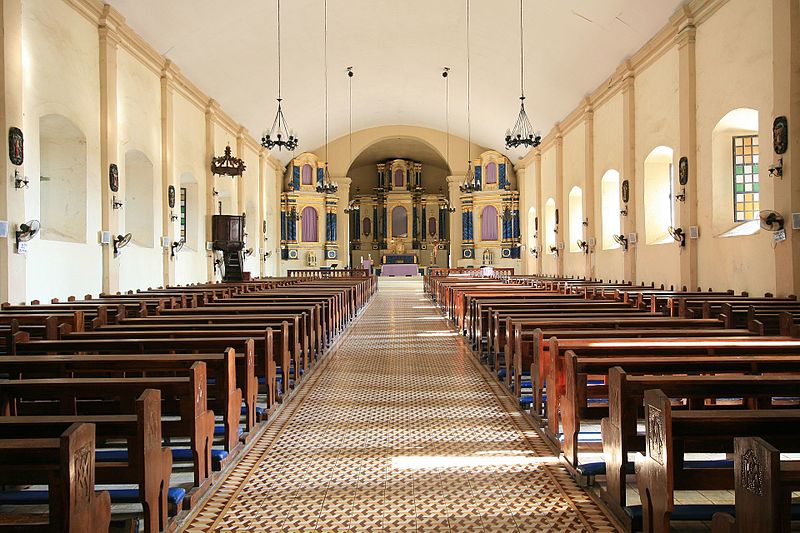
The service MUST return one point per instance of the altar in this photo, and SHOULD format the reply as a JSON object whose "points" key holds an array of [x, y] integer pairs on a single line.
{"points": [[400, 259], [399, 269]]}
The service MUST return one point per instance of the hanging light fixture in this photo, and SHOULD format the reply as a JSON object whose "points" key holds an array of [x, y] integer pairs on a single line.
{"points": [[279, 135], [354, 204], [446, 76], [469, 185], [327, 186], [522, 134]]}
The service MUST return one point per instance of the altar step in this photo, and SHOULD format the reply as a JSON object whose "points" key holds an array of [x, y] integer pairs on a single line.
{"points": [[410, 283]]}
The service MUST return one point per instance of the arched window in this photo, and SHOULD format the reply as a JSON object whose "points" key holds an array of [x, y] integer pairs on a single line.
{"points": [[610, 208], [532, 228], [735, 169], [549, 224], [491, 173], [307, 175], [189, 211], [398, 178], [139, 197], [310, 227], [432, 226], [658, 187], [63, 170], [575, 218], [366, 227], [489, 223], [399, 222]]}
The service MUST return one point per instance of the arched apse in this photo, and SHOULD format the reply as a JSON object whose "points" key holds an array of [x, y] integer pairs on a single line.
{"points": [[139, 198], [659, 207], [575, 218], [610, 208], [363, 169], [735, 172], [63, 175]]}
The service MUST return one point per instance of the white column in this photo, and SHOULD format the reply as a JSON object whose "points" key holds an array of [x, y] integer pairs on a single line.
{"points": [[453, 182], [343, 221], [168, 177]]}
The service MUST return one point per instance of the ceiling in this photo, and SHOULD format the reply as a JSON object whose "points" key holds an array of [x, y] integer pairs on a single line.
{"points": [[398, 49], [400, 148]]}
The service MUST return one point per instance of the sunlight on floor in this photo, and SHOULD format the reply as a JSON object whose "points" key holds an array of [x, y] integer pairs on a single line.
{"points": [[411, 462], [443, 333]]}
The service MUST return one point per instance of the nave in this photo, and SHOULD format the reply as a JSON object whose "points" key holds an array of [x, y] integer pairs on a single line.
{"points": [[400, 430]]}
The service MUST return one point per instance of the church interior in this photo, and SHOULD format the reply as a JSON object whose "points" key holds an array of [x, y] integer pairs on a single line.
{"points": [[368, 265]]}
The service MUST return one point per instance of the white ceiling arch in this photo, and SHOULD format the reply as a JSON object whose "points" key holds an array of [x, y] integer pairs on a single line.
{"points": [[398, 49]]}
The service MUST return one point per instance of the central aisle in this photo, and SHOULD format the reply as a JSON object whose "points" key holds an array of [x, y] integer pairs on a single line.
{"points": [[399, 430]]}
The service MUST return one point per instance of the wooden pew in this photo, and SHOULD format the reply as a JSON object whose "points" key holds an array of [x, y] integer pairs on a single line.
{"points": [[66, 465], [660, 470], [626, 393], [248, 347], [144, 462], [184, 397], [764, 486], [571, 384]]}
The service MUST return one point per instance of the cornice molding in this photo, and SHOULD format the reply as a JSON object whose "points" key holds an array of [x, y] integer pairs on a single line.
{"points": [[679, 30], [111, 24]]}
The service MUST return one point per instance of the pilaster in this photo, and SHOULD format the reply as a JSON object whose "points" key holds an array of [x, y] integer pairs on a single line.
{"points": [[786, 102], [168, 177], [538, 240], [109, 141], [629, 171], [687, 95], [12, 201], [562, 223], [239, 183], [589, 186], [212, 110]]}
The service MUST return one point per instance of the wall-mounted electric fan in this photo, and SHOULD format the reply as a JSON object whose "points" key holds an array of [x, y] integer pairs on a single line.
{"points": [[121, 242], [771, 220], [678, 235]]}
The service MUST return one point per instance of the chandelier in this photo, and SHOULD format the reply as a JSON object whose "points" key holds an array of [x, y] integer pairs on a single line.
{"points": [[469, 185], [522, 134], [227, 165], [328, 186], [279, 135]]}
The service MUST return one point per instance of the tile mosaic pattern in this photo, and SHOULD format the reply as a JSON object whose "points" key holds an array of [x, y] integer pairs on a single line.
{"points": [[399, 431]]}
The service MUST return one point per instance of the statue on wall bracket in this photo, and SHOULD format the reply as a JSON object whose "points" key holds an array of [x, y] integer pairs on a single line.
{"points": [[683, 170], [16, 148], [780, 135], [113, 177]]}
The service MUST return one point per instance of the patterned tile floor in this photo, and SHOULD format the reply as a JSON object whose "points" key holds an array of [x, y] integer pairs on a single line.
{"points": [[399, 431]]}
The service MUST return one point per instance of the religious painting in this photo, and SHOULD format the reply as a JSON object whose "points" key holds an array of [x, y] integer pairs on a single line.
{"points": [[683, 170], [16, 152], [113, 177], [780, 135], [171, 196], [626, 191]]}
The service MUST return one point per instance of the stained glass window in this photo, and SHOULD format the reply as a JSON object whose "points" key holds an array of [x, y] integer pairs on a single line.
{"points": [[183, 214], [746, 192]]}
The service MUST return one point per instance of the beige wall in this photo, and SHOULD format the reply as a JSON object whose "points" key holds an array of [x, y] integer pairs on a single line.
{"points": [[734, 69], [61, 74]]}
